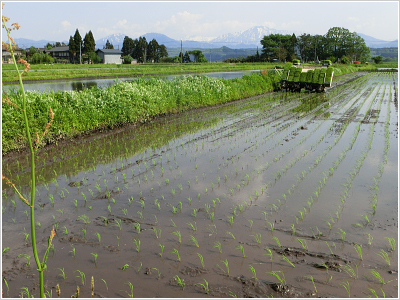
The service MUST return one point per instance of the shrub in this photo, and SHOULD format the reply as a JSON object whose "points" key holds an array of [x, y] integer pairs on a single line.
{"points": [[127, 59]]}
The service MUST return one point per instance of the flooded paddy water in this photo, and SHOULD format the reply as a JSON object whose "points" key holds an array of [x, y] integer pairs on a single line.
{"points": [[282, 195]]}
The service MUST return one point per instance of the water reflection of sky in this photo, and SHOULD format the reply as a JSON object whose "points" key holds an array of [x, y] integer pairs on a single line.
{"points": [[77, 85]]}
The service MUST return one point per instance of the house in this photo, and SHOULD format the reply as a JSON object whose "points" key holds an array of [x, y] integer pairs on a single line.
{"points": [[110, 56], [59, 52], [6, 55]]}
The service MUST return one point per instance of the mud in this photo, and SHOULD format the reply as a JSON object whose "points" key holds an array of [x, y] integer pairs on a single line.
{"points": [[237, 179]]}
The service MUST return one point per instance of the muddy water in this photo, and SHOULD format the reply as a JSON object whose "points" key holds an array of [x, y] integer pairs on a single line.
{"points": [[243, 175]]}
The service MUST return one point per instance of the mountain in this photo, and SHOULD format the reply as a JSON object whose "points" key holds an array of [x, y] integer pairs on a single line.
{"points": [[247, 39], [27, 43], [250, 37], [372, 42]]}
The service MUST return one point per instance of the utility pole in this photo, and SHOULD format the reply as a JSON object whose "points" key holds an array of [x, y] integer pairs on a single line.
{"points": [[315, 58], [80, 53], [181, 51], [144, 60]]}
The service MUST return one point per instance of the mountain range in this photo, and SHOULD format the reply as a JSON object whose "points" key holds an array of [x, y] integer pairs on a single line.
{"points": [[246, 39]]}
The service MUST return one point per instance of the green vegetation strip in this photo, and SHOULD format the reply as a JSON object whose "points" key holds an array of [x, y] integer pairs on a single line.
{"points": [[122, 103]]}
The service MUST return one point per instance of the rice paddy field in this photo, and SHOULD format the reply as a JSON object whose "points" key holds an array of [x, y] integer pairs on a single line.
{"points": [[275, 195]]}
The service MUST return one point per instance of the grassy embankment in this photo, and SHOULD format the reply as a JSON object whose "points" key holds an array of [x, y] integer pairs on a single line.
{"points": [[122, 103]]}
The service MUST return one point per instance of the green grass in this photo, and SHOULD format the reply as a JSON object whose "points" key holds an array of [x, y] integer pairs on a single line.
{"points": [[122, 103]]}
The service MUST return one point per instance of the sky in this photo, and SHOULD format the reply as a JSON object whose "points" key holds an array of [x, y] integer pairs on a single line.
{"points": [[58, 21]]}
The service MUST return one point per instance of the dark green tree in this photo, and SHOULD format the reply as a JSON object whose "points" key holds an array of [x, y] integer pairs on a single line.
{"points": [[140, 49], [72, 48], [186, 58], [49, 46], [377, 59], [127, 46], [89, 43], [277, 46], [153, 51], [77, 41], [108, 45], [163, 53]]}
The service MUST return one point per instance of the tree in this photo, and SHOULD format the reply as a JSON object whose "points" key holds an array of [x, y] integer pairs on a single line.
{"points": [[163, 51], [72, 48], [32, 51], [198, 56], [140, 49], [186, 58], [305, 44], [128, 46], [89, 43], [127, 59], [48, 46], [93, 57], [377, 59], [277, 46], [108, 45], [77, 41], [152, 51]]}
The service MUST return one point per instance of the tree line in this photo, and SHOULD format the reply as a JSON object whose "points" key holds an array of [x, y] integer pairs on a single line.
{"points": [[337, 45], [142, 50]]}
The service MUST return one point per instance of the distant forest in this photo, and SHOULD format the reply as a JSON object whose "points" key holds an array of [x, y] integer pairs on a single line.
{"points": [[385, 52], [216, 54]]}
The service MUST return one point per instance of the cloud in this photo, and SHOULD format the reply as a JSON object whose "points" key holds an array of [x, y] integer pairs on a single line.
{"points": [[66, 25], [353, 19]]}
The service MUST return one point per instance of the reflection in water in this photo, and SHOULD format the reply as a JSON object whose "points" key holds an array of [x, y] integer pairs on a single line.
{"points": [[78, 85]]}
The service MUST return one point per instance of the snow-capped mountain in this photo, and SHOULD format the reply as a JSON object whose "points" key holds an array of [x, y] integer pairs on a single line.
{"points": [[115, 39], [250, 36]]}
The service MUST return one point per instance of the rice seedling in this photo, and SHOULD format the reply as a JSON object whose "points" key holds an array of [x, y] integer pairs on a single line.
{"points": [[137, 243], [193, 239], [173, 223], [201, 259], [72, 251], [272, 225], [136, 225], [241, 249], [253, 271], [94, 257], [312, 280], [385, 256], [358, 247], [84, 232], [277, 241], [217, 244], [257, 237], [303, 243], [131, 289], [269, 252], [349, 270], [265, 215], [251, 224], [162, 249], [276, 275], [175, 251], [230, 218], [284, 258], [178, 234], [343, 234], [346, 285], [231, 234], [180, 281], [65, 230], [392, 243], [206, 289], [82, 276]]}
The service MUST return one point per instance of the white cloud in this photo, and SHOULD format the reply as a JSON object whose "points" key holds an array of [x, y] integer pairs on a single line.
{"points": [[353, 19], [66, 25]]}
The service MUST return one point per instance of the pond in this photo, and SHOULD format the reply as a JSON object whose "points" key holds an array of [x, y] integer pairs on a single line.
{"points": [[77, 85]]}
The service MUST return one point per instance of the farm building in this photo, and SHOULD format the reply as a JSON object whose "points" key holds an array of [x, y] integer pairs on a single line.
{"points": [[110, 56], [6, 55], [59, 52]]}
